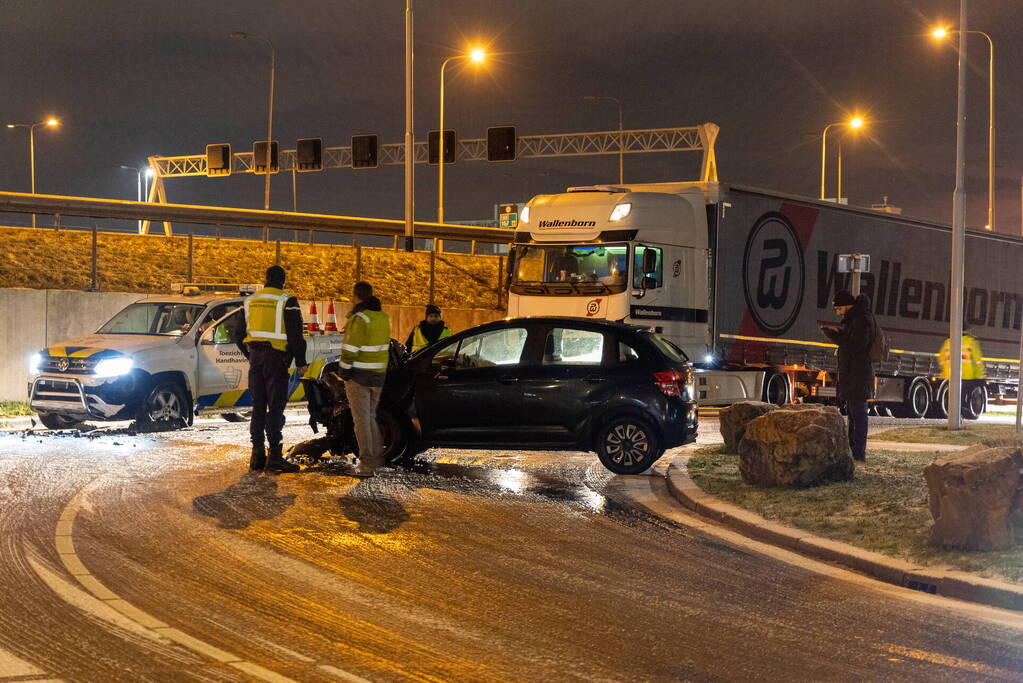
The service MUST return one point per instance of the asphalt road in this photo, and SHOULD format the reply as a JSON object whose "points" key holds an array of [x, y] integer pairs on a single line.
{"points": [[158, 558]]}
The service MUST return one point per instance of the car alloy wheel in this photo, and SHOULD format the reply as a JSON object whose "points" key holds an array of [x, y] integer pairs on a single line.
{"points": [[164, 405]]}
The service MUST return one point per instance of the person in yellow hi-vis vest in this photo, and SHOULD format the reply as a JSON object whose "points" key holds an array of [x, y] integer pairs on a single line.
{"points": [[973, 360], [272, 339], [365, 351], [428, 330]]}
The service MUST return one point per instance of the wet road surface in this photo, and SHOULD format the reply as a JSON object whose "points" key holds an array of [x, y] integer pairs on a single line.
{"points": [[160, 558]]}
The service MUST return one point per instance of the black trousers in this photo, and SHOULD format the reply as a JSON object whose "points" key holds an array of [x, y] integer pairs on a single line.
{"points": [[268, 383], [856, 410]]}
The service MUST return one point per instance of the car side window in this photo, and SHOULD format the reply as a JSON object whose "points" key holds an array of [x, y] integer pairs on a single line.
{"points": [[446, 353], [229, 329], [490, 349], [626, 354], [565, 346]]}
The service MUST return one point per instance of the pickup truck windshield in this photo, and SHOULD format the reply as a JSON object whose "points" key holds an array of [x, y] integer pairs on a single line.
{"points": [[171, 319], [587, 265]]}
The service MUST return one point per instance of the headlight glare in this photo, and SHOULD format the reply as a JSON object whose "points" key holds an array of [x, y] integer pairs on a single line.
{"points": [[524, 215], [113, 367], [34, 362]]}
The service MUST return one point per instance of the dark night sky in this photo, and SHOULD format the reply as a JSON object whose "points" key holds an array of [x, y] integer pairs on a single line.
{"points": [[142, 77]]}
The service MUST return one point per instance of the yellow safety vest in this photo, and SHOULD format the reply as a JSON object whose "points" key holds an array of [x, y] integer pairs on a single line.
{"points": [[973, 361], [366, 342], [264, 317], [419, 340]]}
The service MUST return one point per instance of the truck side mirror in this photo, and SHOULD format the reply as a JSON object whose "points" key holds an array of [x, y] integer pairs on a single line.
{"points": [[649, 282], [649, 261]]}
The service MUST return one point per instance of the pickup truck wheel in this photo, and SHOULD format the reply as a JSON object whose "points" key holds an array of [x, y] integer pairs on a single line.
{"points": [[628, 445], [165, 408], [57, 421]]}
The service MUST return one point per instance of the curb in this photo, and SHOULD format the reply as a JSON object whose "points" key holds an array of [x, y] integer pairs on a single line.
{"points": [[952, 584]]}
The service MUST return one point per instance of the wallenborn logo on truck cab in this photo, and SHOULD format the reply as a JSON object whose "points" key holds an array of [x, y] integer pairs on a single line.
{"points": [[568, 224], [773, 273]]}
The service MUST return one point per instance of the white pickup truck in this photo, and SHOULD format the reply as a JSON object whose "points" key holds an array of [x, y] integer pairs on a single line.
{"points": [[159, 361]]}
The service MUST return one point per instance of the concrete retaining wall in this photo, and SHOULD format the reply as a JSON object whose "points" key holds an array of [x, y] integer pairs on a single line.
{"points": [[31, 319]]}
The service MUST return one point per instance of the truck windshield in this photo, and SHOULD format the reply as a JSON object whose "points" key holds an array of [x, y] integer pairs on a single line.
{"points": [[583, 264], [172, 319]]}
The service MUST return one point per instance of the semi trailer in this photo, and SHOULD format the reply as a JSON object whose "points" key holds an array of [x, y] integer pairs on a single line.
{"points": [[741, 279]]}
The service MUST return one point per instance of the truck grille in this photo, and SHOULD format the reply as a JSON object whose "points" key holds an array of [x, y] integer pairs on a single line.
{"points": [[75, 366]]}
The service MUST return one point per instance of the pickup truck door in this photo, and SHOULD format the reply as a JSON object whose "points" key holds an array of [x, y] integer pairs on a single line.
{"points": [[223, 372]]}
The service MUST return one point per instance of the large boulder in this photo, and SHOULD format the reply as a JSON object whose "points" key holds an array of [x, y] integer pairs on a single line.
{"points": [[976, 498], [798, 445], [734, 418]]}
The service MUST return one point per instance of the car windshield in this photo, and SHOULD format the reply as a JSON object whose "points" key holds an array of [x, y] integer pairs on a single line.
{"points": [[172, 319], [605, 264], [667, 348]]}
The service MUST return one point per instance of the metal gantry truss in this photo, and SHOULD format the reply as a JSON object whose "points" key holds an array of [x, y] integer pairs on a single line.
{"points": [[699, 138]]}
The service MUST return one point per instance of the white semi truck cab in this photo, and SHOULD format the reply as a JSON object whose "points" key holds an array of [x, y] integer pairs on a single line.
{"points": [[161, 359], [637, 254]]}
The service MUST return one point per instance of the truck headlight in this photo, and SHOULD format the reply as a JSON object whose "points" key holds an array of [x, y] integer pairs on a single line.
{"points": [[113, 367], [524, 215], [621, 211], [34, 362]]}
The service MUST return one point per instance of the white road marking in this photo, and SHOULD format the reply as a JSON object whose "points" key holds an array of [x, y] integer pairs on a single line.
{"points": [[341, 674], [11, 666]]}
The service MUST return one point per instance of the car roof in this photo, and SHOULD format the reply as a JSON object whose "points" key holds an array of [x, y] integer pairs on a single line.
{"points": [[198, 299]]}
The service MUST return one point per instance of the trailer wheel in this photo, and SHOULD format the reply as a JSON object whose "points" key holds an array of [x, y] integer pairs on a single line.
{"points": [[917, 401], [776, 388], [939, 406], [974, 401]]}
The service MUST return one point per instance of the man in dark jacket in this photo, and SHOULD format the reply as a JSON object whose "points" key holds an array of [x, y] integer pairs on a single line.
{"points": [[271, 340], [428, 330], [854, 337]]}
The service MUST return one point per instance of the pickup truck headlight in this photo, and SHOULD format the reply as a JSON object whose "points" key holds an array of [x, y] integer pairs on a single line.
{"points": [[113, 367], [34, 362]]}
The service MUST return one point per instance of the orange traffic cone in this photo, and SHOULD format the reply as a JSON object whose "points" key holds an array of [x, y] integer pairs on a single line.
{"points": [[313, 327], [331, 326]]}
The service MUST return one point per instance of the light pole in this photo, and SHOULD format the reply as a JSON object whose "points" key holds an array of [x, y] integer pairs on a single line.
{"points": [[476, 55], [143, 186], [855, 123], [50, 122], [410, 162], [940, 33], [621, 137], [269, 115]]}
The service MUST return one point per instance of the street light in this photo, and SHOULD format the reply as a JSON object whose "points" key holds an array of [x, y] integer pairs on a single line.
{"points": [[941, 33], [143, 189], [269, 116], [621, 138], [49, 123], [476, 55], [855, 123]]}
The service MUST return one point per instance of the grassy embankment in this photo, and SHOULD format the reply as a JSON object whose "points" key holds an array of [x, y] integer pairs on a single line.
{"points": [[883, 509]]}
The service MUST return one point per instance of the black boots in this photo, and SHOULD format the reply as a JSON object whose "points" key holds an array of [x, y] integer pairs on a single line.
{"points": [[257, 461]]}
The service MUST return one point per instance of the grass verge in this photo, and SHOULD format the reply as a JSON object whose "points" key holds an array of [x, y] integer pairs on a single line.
{"points": [[883, 509], [14, 409], [968, 435]]}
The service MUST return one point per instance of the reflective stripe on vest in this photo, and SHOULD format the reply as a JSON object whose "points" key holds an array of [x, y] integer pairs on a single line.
{"points": [[264, 317]]}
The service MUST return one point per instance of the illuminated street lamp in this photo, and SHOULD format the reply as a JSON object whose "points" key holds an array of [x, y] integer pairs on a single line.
{"points": [[855, 123], [476, 56], [49, 123], [942, 33], [621, 139], [269, 116], [143, 185]]}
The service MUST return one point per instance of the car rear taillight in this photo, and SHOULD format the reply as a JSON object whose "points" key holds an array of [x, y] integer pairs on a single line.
{"points": [[670, 382]]}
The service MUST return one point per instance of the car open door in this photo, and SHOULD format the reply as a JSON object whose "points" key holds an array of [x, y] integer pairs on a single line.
{"points": [[471, 390], [222, 372]]}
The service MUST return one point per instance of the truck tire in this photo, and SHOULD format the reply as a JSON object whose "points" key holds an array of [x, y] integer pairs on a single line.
{"points": [[917, 400], [939, 405], [974, 401], [57, 421], [165, 408], [628, 445], [776, 388]]}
